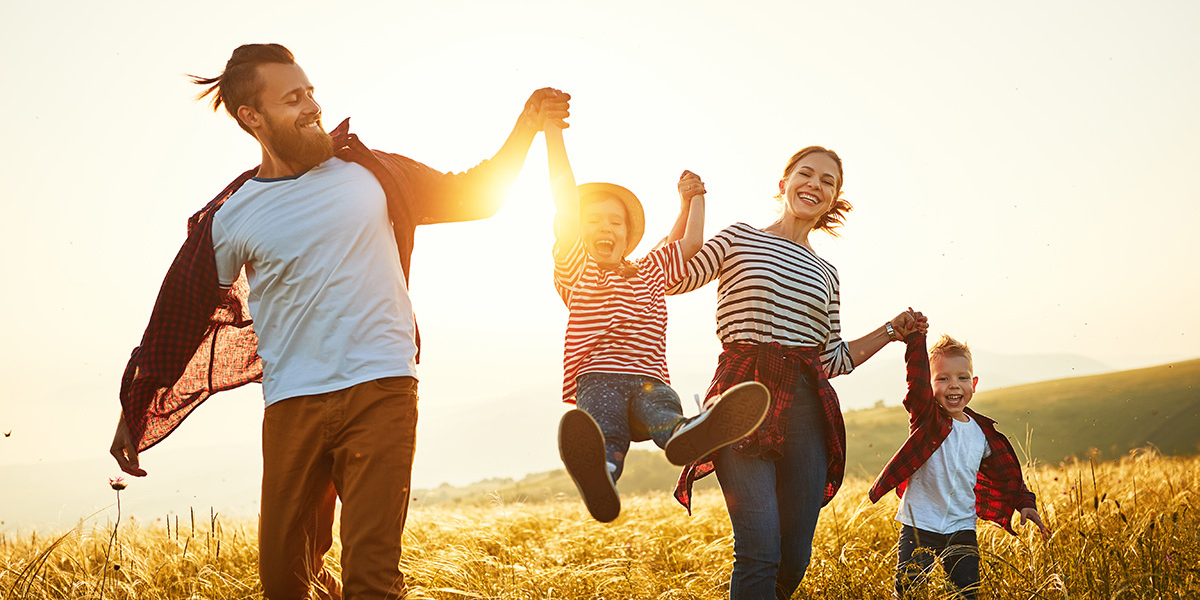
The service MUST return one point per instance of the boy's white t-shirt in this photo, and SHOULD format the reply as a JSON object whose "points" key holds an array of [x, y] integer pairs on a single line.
{"points": [[940, 496], [327, 292]]}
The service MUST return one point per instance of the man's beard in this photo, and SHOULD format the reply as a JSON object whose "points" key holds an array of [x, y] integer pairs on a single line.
{"points": [[304, 148]]}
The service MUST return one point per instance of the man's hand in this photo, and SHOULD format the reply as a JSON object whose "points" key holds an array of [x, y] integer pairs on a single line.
{"points": [[690, 186], [125, 451], [547, 106], [1031, 514]]}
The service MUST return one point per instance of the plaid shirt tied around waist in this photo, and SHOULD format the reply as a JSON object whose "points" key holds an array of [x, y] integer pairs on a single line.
{"points": [[999, 489], [779, 368]]}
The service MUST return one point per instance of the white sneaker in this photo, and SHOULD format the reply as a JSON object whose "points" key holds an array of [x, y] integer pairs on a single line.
{"points": [[735, 415], [581, 447]]}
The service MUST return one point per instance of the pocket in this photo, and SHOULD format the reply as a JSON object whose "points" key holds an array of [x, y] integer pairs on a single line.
{"points": [[396, 385]]}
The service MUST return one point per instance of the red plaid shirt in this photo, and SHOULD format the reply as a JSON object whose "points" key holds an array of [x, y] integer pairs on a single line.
{"points": [[778, 368], [200, 342], [999, 488]]}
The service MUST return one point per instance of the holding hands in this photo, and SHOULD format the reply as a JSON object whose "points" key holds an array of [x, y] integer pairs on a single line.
{"points": [[547, 106], [909, 321], [690, 186]]}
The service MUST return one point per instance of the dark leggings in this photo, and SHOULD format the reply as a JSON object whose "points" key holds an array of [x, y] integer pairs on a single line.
{"points": [[958, 551]]}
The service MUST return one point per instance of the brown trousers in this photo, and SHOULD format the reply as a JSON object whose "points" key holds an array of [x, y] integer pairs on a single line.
{"points": [[355, 444]]}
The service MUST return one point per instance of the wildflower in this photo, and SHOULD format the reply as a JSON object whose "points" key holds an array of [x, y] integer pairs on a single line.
{"points": [[117, 483]]}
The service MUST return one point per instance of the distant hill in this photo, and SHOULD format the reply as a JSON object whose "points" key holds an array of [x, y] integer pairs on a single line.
{"points": [[1107, 415]]}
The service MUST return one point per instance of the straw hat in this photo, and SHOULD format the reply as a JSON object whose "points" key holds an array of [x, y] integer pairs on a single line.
{"points": [[633, 207]]}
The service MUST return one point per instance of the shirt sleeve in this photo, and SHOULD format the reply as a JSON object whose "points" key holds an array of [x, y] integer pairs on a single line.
{"points": [[451, 197], [669, 259], [705, 265], [919, 400], [229, 260], [569, 270], [835, 358]]}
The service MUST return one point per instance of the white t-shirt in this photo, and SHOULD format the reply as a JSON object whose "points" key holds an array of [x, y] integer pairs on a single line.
{"points": [[327, 292], [940, 496]]}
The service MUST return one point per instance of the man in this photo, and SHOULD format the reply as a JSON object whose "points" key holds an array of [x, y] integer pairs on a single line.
{"points": [[324, 230]]}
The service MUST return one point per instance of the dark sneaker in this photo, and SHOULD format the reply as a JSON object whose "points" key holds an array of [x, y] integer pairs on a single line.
{"points": [[581, 447], [735, 415]]}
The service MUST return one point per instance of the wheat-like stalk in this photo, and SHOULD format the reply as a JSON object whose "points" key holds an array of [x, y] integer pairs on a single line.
{"points": [[1126, 529]]}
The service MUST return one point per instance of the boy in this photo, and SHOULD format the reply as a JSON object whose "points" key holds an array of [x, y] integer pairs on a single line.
{"points": [[614, 358], [954, 466]]}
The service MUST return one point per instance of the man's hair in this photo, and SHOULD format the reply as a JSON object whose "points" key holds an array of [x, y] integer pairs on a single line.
{"points": [[238, 85], [837, 212], [947, 347]]}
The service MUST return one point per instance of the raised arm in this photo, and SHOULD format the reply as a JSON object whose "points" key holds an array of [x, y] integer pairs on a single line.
{"points": [[565, 192], [919, 399], [479, 192], [689, 227]]}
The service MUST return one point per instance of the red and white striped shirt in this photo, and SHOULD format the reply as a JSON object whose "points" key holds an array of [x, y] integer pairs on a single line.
{"points": [[616, 325]]}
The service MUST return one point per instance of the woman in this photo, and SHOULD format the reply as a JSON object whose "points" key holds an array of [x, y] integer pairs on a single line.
{"points": [[779, 324]]}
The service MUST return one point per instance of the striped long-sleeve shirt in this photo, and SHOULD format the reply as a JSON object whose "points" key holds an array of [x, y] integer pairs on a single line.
{"points": [[777, 317], [771, 289], [616, 324]]}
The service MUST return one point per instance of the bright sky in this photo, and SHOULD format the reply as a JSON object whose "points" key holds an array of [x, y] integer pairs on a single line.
{"points": [[1022, 172]]}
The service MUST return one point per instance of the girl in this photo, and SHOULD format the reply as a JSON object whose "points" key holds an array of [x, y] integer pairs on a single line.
{"points": [[614, 358]]}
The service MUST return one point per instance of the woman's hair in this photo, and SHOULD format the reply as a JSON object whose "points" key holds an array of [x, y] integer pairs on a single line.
{"points": [[836, 216], [238, 85], [948, 347]]}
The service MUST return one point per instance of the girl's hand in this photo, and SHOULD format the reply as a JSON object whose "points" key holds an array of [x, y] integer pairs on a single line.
{"points": [[690, 186]]}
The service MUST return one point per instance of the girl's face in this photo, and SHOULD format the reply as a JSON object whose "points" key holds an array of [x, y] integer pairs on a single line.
{"points": [[811, 187], [604, 229]]}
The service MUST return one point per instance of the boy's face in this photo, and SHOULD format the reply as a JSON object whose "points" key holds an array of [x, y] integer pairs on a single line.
{"points": [[602, 224], [953, 383]]}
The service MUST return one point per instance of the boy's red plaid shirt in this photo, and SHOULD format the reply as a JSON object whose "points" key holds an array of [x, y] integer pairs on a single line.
{"points": [[1000, 488]]}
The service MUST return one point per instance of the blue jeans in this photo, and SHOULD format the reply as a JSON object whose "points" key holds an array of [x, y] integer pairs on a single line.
{"points": [[774, 505], [628, 407], [959, 552]]}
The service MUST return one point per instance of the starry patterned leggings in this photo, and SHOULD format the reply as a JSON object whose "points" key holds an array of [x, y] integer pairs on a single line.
{"points": [[628, 408]]}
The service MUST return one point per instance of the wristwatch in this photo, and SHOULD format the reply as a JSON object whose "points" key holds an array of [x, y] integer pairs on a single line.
{"points": [[891, 331]]}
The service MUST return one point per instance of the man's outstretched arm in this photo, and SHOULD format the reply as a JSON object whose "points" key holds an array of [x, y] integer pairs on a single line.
{"points": [[480, 192]]}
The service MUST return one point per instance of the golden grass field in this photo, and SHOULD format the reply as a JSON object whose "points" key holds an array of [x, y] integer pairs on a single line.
{"points": [[1122, 530]]}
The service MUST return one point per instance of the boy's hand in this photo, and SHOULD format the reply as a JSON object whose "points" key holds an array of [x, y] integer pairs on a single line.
{"points": [[690, 186], [909, 321], [1031, 514]]}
